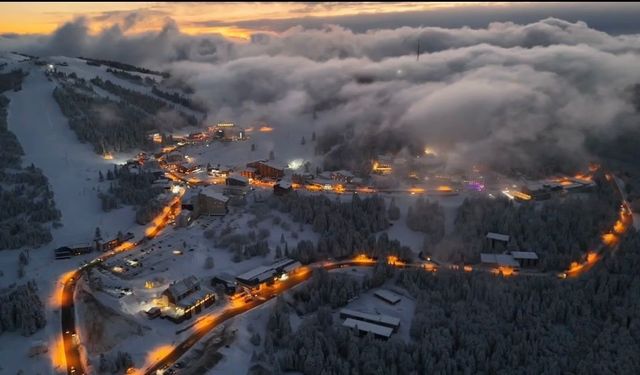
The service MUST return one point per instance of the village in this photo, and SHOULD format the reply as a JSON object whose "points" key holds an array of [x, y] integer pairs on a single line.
{"points": [[201, 172]]}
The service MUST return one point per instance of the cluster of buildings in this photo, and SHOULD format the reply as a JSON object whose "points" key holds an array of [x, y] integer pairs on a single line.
{"points": [[500, 258], [265, 275], [202, 201], [187, 297], [181, 300], [66, 252], [379, 325], [545, 189]]}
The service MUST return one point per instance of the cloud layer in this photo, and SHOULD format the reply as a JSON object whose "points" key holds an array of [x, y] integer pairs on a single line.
{"points": [[506, 94]]}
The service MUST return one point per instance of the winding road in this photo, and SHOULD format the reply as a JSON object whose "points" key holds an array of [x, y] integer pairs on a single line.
{"points": [[238, 306]]}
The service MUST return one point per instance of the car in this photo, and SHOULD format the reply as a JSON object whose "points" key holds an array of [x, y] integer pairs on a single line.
{"points": [[179, 365]]}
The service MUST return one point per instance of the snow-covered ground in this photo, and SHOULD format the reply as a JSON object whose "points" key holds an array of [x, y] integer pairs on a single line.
{"points": [[369, 303], [72, 170]]}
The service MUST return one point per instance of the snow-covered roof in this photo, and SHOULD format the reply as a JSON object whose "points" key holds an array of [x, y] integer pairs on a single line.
{"points": [[387, 295], [285, 184], [238, 177], [192, 298], [368, 327], [499, 259], [212, 192], [264, 273], [524, 255], [382, 319], [343, 173], [180, 288], [498, 236], [260, 273]]}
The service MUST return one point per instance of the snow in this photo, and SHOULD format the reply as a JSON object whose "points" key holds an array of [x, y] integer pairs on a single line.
{"points": [[71, 167], [72, 170], [369, 303]]}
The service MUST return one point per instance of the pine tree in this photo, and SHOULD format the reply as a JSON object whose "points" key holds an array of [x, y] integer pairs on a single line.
{"points": [[303, 141], [100, 176], [271, 155], [253, 147]]}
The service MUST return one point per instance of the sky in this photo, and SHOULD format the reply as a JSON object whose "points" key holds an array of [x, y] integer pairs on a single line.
{"points": [[239, 20], [522, 84], [230, 19]]}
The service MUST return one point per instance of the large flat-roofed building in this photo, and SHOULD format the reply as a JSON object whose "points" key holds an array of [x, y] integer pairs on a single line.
{"points": [[236, 180], [264, 274], [267, 169], [363, 327], [387, 296], [525, 258], [210, 201], [383, 320], [499, 260], [497, 240]]}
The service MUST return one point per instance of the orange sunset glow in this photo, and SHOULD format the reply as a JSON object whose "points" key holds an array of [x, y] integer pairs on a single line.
{"points": [[193, 19]]}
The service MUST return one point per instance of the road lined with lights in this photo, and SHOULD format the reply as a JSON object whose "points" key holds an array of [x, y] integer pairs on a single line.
{"points": [[67, 307], [239, 306]]}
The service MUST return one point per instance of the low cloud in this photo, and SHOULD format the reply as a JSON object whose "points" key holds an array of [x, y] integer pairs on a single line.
{"points": [[510, 95]]}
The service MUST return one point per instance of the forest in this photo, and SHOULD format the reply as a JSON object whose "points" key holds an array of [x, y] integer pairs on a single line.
{"points": [[147, 103], [26, 200], [21, 309], [480, 324], [345, 228], [127, 187], [105, 124], [177, 99], [560, 230], [134, 78], [123, 66]]}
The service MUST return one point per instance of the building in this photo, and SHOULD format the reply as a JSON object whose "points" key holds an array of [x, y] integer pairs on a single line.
{"points": [[342, 176], [112, 244], [236, 180], [227, 131], [180, 289], [153, 312], [66, 252], [266, 274], [185, 298], [184, 218], [227, 283], [175, 157], [211, 202], [379, 319], [387, 296], [154, 136], [526, 259], [383, 165], [497, 240], [499, 260], [267, 169], [282, 187], [249, 173], [363, 328]]}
